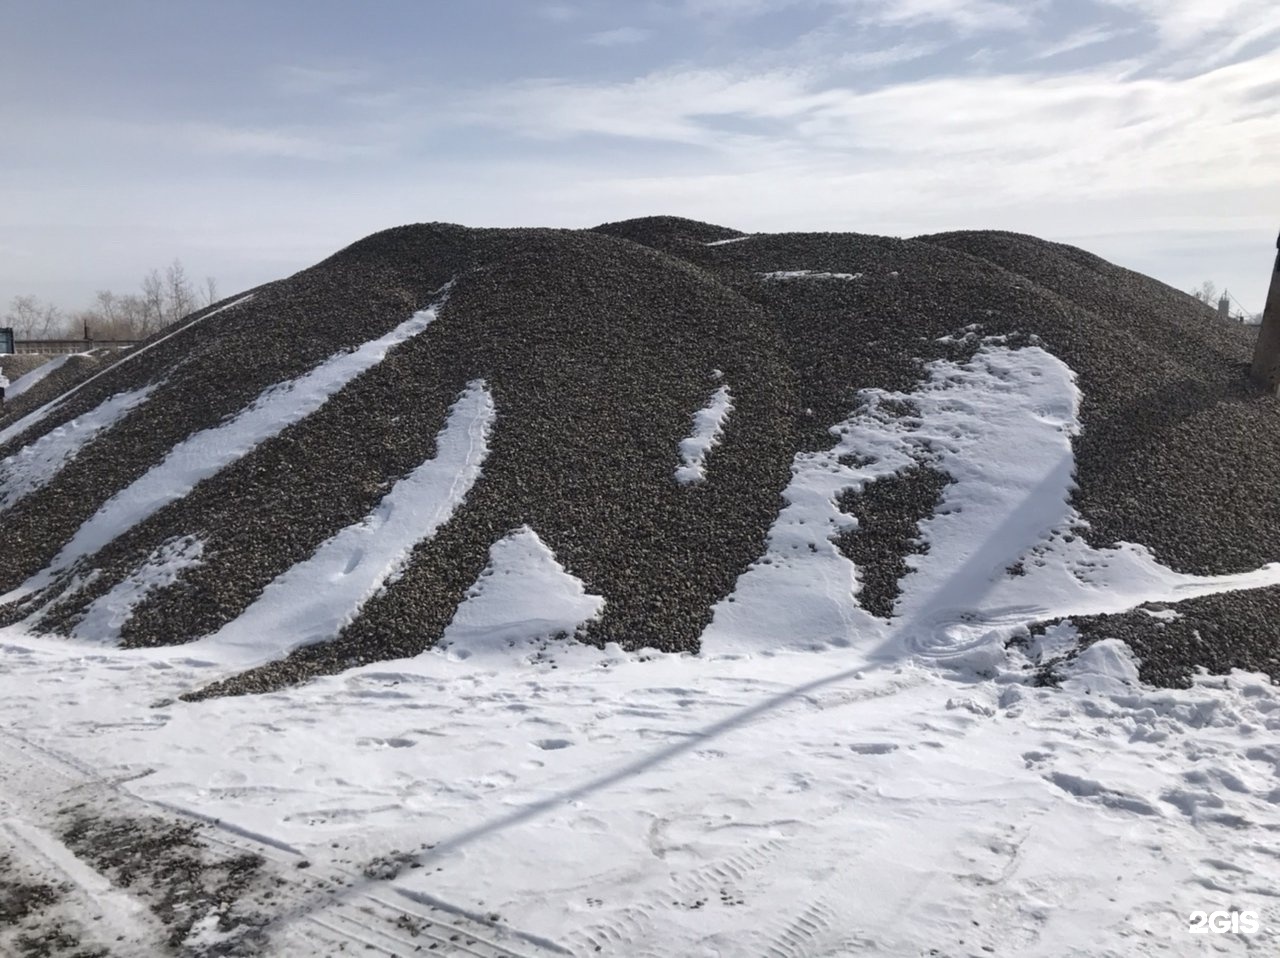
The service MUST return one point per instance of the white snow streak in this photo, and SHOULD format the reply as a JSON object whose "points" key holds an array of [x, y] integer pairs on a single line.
{"points": [[315, 599], [108, 613], [708, 427], [783, 275], [731, 239], [208, 452], [35, 465]]}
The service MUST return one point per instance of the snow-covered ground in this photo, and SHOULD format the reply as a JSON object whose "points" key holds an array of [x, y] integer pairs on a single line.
{"points": [[818, 781]]}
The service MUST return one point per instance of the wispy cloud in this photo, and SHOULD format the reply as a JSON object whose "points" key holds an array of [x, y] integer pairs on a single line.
{"points": [[557, 12], [1183, 23], [879, 58], [1202, 34], [1090, 133], [622, 36], [314, 81], [1088, 37], [286, 144], [967, 16]]}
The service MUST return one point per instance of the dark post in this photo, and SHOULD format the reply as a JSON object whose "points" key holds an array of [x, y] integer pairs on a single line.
{"points": [[1266, 355]]}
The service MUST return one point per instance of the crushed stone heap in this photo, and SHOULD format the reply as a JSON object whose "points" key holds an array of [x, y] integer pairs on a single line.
{"points": [[164, 496]]}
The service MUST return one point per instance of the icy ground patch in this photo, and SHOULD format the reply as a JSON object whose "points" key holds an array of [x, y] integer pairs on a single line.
{"points": [[819, 781], [791, 804]]}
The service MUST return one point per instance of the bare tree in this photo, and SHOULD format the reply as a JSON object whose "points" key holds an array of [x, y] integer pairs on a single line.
{"points": [[32, 319], [164, 298], [1207, 293], [106, 307], [180, 298], [153, 311]]}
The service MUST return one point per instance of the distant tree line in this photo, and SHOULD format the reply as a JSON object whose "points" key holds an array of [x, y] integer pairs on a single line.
{"points": [[163, 298]]}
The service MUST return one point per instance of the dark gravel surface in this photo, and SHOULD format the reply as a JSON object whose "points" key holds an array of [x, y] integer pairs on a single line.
{"points": [[1216, 632], [71, 373], [598, 347], [889, 512]]}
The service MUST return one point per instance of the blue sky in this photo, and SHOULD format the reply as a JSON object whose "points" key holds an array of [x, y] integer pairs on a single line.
{"points": [[251, 139]]}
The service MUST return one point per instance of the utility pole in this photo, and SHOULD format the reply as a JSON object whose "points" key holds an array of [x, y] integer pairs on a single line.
{"points": [[1266, 354]]}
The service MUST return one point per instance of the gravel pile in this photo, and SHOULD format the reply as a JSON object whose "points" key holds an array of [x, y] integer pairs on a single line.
{"points": [[889, 512], [70, 374], [14, 365], [598, 346]]}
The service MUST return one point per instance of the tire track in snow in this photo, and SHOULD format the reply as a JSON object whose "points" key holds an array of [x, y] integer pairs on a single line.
{"points": [[314, 916]]}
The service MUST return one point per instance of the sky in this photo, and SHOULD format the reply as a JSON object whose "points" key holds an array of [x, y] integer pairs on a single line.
{"points": [[252, 139]]}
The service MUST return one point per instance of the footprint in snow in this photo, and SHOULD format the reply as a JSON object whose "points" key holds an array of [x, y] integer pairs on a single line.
{"points": [[873, 748], [551, 744]]}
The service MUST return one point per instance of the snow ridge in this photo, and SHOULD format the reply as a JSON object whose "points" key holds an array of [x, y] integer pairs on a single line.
{"points": [[783, 275]]}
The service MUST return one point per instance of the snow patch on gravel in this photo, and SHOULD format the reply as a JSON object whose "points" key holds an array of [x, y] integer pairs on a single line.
{"points": [[1000, 426], [708, 427], [783, 275], [315, 599], [524, 595]]}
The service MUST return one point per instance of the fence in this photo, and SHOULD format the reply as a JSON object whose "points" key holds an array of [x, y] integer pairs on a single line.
{"points": [[61, 347]]}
